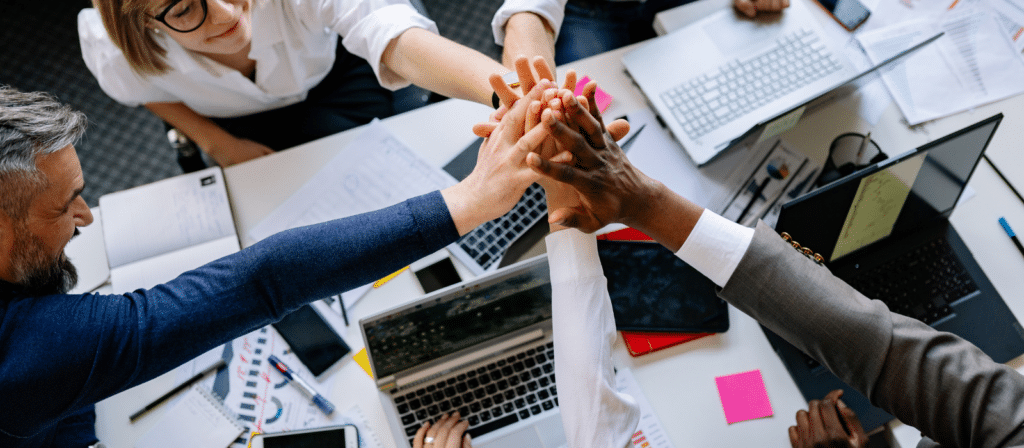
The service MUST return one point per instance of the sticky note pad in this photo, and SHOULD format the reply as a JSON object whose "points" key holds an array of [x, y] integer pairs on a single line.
{"points": [[363, 361], [744, 396], [603, 98]]}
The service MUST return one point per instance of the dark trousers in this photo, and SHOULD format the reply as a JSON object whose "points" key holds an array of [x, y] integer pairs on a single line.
{"points": [[595, 26], [348, 97]]}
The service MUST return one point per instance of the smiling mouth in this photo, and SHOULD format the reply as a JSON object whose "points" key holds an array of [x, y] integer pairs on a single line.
{"points": [[229, 31]]}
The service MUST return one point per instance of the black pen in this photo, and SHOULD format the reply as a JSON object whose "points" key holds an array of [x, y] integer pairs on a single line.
{"points": [[344, 314], [1013, 236], [216, 366]]}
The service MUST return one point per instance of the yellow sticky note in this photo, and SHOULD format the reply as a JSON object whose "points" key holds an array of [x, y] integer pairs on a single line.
{"points": [[363, 362]]}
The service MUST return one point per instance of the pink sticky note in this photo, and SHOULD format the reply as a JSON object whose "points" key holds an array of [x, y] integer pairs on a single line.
{"points": [[603, 98], [744, 396]]}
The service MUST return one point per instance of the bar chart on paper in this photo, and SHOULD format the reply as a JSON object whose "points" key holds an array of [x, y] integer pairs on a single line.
{"points": [[262, 397]]}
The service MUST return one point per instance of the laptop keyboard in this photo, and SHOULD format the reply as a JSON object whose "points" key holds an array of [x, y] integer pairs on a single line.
{"points": [[488, 242], [710, 101], [920, 284], [492, 396]]}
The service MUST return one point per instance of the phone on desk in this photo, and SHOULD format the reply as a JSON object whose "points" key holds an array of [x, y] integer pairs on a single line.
{"points": [[344, 436], [849, 13], [312, 339]]}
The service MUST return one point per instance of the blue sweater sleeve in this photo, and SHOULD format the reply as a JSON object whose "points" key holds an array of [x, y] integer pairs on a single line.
{"points": [[61, 353]]}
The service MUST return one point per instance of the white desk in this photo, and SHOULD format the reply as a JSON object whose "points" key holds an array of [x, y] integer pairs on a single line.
{"points": [[679, 381]]}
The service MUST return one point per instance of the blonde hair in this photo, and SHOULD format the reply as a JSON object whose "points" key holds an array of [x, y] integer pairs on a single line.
{"points": [[125, 22]]}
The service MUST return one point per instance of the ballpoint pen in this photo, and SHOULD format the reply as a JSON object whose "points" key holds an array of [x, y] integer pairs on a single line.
{"points": [[300, 384]]}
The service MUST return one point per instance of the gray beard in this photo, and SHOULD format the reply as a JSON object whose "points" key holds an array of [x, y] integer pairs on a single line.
{"points": [[38, 275]]}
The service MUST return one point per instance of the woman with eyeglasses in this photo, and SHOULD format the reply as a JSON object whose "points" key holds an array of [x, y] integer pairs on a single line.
{"points": [[244, 77]]}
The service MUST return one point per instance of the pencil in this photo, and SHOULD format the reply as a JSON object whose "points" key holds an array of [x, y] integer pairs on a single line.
{"points": [[1013, 236], [216, 366], [384, 280]]}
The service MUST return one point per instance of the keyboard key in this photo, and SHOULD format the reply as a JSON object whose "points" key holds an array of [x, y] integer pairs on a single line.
{"points": [[473, 420], [531, 399], [493, 425], [420, 392], [461, 387], [486, 402], [449, 392], [496, 412], [438, 396], [456, 401], [525, 413], [548, 368], [464, 411], [411, 431], [403, 408], [479, 393], [408, 419], [433, 410], [502, 385], [548, 405], [445, 406], [520, 403], [421, 415], [427, 400], [532, 386], [415, 404], [485, 416], [535, 409], [543, 394], [508, 407], [474, 408], [473, 383]]}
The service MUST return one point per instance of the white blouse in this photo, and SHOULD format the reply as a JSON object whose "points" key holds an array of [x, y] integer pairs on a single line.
{"points": [[293, 44]]}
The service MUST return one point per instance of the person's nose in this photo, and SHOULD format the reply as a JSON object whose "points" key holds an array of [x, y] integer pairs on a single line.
{"points": [[221, 11], [83, 216]]}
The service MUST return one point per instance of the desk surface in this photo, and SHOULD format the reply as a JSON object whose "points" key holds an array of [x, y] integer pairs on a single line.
{"points": [[679, 381]]}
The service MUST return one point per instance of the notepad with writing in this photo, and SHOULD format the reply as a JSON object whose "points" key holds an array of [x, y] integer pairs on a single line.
{"points": [[197, 420], [155, 232]]}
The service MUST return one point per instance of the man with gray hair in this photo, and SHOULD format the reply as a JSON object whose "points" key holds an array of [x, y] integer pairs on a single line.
{"points": [[61, 353]]}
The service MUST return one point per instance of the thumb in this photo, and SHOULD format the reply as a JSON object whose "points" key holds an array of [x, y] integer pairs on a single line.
{"points": [[852, 422], [618, 129], [746, 7]]}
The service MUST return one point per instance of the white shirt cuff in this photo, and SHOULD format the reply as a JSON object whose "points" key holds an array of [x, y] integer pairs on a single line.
{"points": [[716, 246], [572, 255], [552, 11]]}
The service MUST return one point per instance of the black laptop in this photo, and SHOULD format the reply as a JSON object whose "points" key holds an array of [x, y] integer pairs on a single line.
{"points": [[885, 230]]}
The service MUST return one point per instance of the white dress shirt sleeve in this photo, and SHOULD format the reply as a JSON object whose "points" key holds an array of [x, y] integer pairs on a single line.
{"points": [[552, 11], [367, 27], [594, 413], [716, 246], [109, 66]]}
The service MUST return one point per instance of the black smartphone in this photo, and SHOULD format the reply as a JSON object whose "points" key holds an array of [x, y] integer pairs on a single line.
{"points": [[312, 339], [849, 13], [438, 275], [652, 290]]}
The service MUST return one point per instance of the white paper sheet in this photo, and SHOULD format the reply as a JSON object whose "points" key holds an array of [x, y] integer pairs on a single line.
{"points": [[166, 216], [649, 432], [374, 171], [973, 64]]}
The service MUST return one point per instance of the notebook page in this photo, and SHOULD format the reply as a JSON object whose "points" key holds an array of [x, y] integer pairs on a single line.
{"points": [[165, 216], [197, 420]]}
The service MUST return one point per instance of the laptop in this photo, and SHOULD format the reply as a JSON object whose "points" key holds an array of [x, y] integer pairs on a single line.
{"points": [[725, 80], [483, 348], [885, 231]]}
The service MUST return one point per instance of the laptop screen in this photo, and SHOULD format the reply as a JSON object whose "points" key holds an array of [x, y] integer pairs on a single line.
{"points": [[892, 197], [459, 318]]}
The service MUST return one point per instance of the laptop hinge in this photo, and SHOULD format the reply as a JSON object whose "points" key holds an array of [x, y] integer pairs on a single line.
{"points": [[463, 360]]}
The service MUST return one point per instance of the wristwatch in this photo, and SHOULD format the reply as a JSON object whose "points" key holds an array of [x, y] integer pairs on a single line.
{"points": [[512, 79]]}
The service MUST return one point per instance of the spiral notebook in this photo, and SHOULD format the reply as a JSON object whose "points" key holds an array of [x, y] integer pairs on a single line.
{"points": [[198, 420]]}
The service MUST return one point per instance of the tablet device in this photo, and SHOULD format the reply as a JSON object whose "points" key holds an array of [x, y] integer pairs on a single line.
{"points": [[652, 290]]}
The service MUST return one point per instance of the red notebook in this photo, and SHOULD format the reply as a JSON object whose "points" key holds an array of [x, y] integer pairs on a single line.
{"points": [[638, 342]]}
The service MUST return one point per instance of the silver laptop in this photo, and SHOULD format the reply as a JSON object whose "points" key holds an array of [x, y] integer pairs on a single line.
{"points": [[483, 348]]}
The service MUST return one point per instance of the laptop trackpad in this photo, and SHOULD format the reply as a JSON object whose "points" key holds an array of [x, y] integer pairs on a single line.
{"points": [[547, 433]]}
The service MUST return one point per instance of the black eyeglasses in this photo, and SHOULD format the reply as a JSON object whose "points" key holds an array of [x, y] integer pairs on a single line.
{"points": [[184, 16]]}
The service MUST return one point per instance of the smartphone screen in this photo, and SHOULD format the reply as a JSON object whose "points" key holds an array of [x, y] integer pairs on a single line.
{"points": [[312, 339], [438, 275], [318, 439], [849, 13]]}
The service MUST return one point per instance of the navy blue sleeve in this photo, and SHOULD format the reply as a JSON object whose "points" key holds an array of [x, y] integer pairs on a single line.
{"points": [[61, 353]]}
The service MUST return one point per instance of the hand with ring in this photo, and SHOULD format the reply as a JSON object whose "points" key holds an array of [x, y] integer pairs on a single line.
{"points": [[448, 432]]}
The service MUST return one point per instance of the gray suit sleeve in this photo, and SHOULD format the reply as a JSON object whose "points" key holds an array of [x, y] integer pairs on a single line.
{"points": [[935, 381]]}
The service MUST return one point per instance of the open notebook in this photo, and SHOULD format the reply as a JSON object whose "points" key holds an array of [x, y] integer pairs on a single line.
{"points": [[156, 231]]}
